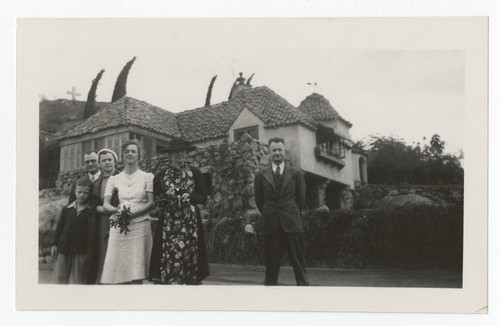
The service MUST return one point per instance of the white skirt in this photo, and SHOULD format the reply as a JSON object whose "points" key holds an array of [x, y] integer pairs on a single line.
{"points": [[127, 258]]}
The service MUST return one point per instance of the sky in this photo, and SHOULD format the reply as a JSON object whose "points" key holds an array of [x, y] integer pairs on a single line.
{"points": [[382, 82]]}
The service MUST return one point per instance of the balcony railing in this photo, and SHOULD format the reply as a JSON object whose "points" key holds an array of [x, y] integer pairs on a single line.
{"points": [[332, 152], [334, 148]]}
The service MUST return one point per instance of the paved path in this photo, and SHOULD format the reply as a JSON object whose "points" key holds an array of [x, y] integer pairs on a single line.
{"points": [[222, 274]]}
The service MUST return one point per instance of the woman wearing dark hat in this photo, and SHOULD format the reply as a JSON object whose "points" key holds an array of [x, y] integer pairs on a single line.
{"points": [[179, 251]]}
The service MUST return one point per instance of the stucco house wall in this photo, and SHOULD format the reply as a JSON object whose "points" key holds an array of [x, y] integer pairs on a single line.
{"points": [[300, 143], [289, 133], [310, 164], [292, 141], [244, 120]]}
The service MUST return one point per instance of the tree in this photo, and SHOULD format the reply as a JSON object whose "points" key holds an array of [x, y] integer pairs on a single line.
{"points": [[450, 169], [388, 159], [432, 156], [121, 82], [392, 161], [209, 92], [360, 146], [48, 159], [90, 105], [437, 145]]}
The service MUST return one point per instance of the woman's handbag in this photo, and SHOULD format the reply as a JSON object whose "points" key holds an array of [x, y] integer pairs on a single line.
{"points": [[115, 202]]}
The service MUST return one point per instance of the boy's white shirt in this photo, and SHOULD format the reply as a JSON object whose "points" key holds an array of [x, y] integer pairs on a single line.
{"points": [[73, 204]]}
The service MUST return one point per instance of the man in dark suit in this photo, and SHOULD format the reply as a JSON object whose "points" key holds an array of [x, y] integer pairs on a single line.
{"points": [[280, 196], [95, 176]]}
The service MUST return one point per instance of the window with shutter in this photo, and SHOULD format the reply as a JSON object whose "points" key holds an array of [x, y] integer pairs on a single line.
{"points": [[78, 158], [99, 143], [134, 135], [148, 148], [124, 138], [64, 159]]}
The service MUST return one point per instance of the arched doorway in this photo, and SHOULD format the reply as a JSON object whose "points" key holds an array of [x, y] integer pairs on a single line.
{"points": [[362, 170], [333, 194]]}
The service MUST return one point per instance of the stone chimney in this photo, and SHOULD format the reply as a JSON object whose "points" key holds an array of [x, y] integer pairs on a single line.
{"points": [[239, 85]]}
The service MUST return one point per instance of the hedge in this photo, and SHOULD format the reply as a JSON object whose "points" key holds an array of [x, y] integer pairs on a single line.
{"points": [[418, 237], [410, 238]]}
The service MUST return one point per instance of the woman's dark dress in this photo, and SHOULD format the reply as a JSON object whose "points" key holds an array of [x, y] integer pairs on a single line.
{"points": [[197, 261]]}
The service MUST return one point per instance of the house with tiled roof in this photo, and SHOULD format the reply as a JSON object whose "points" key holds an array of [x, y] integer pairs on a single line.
{"points": [[317, 136], [114, 124], [225, 121]]}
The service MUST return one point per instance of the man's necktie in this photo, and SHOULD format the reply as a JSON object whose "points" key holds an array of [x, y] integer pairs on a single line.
{"points": [[278, 180]]}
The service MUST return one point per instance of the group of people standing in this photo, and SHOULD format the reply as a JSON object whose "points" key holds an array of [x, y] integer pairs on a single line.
{"points": [[89, 251]]}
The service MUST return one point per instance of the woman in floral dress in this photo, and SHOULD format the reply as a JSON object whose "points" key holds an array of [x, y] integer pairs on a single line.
{"points": [[179, 251], [128, 253]]}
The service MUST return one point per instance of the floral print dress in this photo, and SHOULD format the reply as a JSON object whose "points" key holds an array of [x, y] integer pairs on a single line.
{"points": [[179, 239]]}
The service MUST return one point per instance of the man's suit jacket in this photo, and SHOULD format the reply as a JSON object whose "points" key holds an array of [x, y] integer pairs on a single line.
{"points": [[283, 207], [96, 191]]}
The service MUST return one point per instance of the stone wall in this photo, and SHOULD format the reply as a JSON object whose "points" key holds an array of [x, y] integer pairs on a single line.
{"points": [[231, 167], [66, 179]]}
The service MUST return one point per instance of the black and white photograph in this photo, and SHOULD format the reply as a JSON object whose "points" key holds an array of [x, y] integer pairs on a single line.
{"points": [[276, 155]]}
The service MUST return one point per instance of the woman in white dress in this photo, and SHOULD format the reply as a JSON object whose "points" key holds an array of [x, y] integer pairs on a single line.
{"points": [[128, 254]]}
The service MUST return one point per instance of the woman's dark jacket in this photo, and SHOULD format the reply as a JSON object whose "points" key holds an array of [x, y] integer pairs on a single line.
{"points": [[198, 197]]}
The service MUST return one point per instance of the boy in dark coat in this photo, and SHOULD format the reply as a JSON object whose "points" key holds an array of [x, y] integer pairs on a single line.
{"points": [[73, 240]]}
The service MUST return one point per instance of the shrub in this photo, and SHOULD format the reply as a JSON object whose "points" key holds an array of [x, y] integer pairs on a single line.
{"points": [[412, 237], [227, 241]]}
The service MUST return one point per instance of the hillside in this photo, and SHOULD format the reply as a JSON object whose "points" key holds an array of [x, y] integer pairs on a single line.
{"points": [[59, 115], [56, 117]]}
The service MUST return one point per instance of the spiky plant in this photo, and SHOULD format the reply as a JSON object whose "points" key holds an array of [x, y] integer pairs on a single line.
{"points": [[121, 82], [90, 106], [209, 92]]}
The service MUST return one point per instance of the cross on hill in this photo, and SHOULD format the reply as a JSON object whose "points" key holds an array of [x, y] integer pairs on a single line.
{"points": [[73, 93]]}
